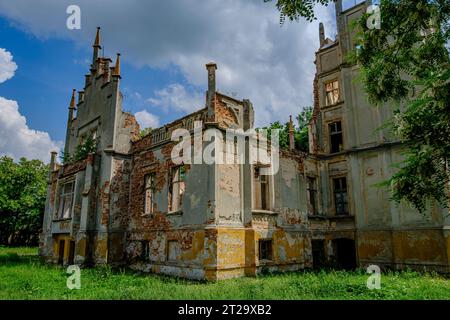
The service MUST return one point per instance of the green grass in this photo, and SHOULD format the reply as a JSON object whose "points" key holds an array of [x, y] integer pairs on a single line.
{"points": [[22, 276]]}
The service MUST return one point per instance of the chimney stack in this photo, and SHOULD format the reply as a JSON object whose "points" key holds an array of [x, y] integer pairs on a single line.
{"points": [[53, 161], [321, 34], [211, 67], [291, 134], [97, 48]]}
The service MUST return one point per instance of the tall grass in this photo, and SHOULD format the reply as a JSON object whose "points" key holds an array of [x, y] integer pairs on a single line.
{"points": [[23, 276]]}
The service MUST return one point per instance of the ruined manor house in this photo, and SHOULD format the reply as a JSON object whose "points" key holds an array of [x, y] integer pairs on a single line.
{"points": [[129, 204]]}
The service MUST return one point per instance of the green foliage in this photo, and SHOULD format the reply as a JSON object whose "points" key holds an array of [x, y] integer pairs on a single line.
{"points": [[295, 9], [301, 138], [23, 189], [407, 63], [145, 132], [82, 151], [23, 277]]}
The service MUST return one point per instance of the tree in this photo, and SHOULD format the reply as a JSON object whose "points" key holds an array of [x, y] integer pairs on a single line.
{"points": [[300, 131], [406, 63], [23, 189]]}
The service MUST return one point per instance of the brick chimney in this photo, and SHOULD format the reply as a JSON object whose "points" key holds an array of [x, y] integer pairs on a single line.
{"points": [[321, 34], [211, 67]]}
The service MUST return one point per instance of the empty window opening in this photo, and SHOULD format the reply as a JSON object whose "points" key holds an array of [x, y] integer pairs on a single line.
{"points": [[336, 138], [265, 249], [261, 191], [71, 252], [61, 246]]}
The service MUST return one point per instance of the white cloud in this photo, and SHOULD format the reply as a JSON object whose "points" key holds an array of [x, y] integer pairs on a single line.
{"points": [[176, 96], [146, 119], [17, 139], [7, 66], [272, 65]]}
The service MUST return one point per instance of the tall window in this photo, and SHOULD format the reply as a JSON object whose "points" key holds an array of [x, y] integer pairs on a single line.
{"points": [[176, 188], [149, 206], [332, 93], [340, 196], [66, 200], [336, 138], [312, 195], [265, 249], [261, 191]]}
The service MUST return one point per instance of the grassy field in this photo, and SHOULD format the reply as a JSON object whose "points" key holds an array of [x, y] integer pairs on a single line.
{"points": [[22, 276]]}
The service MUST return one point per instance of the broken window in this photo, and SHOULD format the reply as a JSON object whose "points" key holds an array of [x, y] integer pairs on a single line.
{"points": [[176, 188], [340, 196], [261, 190], [312, 196], [265, 249], [66, 200], [336, 138], [150, 183], [332, 93]]}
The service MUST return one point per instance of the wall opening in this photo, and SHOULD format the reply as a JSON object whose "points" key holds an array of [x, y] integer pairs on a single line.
{"points": [[265, 249], [345, 253], [61, 246], [71, 253], [318, 252]]}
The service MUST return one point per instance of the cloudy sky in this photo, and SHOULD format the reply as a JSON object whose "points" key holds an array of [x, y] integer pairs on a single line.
{"points": [[164, 45]]}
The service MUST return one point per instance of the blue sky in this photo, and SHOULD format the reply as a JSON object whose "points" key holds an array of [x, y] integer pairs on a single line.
{"points": [[165, 46], [48, 69]]}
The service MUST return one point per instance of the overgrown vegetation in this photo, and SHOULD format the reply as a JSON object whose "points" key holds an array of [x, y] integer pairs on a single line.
{"points": [[145, 132], [88, 146], [24, 277], [23, 189], [300, 131], [409, 52]]}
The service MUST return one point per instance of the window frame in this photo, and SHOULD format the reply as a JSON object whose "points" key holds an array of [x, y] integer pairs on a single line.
{"points": [[342, 192], [266, 182], [335, 93], [338, 131], [176, 179], [152, 190], [268, 250], [311, 187], [62, 197]]}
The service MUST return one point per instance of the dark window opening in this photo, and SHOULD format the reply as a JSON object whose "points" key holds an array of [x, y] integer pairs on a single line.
{"points": [[312, 196], [336, 138], [340, 196], [145, 250], [62, 244], [318, 251], [71, 252], [265, 249], [345, 253]]}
